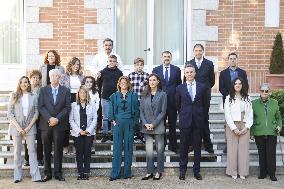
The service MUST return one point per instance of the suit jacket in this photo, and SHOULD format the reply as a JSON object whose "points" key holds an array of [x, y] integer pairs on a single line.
{"points": [[189, 109], [225, 83], [170, 87], [74, 119], [153, 112], [43, 70], [65, 80], [15, 114], [59, 110], [205, 74]]}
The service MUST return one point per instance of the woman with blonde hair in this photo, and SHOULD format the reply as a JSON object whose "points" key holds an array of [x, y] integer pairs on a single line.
{"points": [[124, 114], [22, 115]]}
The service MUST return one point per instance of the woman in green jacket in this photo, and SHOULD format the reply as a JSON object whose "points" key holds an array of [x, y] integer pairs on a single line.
{"points": [[266, 125]]}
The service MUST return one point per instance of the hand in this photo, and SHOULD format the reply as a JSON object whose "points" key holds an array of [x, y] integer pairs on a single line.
{"points": [[27, 129], [82, 133], [113, 123], [21, 131], [278, 130], [151, 126], [236, 131], [243, 131], [53, 121], [252, 138], [99, 74]]}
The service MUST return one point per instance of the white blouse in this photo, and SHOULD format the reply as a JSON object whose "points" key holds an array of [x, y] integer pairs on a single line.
{"points": [[75, 83], [233, 112], [95, 99], [25, 104]]}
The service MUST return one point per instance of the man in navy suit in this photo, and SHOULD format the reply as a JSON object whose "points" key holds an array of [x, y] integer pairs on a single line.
{"points": [[204, 74], [170, 76], [228, 75], [191, 97], [54, 108]]}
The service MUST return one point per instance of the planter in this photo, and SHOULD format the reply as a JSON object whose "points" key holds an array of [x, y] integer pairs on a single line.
{"points": [[276, 81]]}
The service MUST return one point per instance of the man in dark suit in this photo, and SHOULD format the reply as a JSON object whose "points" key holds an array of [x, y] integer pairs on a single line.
{"points": [[204, 74], [54, 107], [227, 76], [191, 97], [170, 76]]}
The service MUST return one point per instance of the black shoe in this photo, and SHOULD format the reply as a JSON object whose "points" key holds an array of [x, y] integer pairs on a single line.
{"points": [[46, 178], [157, 178], [26, 163], [129, 177], [225, 150], [273, 178], [86, 176], [261, 177], [148, 177], [60, 178], [190, 149], [198, 176], [40, 163], [105, 138], [181, 177], [17, 181], [80, 176], [110, 138], [38, 180], [210, 150], [111, 179]]}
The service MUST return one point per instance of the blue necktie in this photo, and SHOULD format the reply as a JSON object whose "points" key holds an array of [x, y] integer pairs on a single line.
{"points": [[167, 74], [54, 94], [189, 88]]}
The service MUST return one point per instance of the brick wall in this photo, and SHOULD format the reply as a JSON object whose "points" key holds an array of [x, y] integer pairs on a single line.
{"points": [[253, 41], [68, 19]]}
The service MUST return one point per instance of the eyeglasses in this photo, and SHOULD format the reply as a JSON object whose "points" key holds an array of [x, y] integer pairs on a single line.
{"points": [[264, 91]]}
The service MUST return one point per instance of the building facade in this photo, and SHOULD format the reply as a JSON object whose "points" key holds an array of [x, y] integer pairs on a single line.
{"points": [[141, 28]]}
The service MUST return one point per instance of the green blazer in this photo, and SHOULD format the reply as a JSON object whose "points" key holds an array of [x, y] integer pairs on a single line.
{"points": [[265, 124]]}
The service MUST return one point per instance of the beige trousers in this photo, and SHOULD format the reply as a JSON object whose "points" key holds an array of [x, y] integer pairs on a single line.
{"points": [[237, 152]]}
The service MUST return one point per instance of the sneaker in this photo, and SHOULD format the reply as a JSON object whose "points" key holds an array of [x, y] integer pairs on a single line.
{"points": [[105, 138], [242, 177], [234, 177]]}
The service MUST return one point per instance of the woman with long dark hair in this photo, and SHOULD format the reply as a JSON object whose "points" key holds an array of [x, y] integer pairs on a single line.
{"points": [[153, 108], [22, 115], [239, 119]]}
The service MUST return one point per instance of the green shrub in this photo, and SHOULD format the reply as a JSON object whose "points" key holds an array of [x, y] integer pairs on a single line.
{"points": [[277, 56], [279, 96]]}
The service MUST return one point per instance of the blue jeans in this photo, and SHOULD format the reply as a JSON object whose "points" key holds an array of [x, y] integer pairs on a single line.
{"points": [[105, 112]]}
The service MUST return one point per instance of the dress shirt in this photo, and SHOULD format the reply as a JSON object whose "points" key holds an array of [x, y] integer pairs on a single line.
{"points": [[101, 61], [193, 88], [198, 63]]}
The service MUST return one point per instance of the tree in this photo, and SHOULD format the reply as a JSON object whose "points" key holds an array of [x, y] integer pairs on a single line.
{"points": [[277, 56]]}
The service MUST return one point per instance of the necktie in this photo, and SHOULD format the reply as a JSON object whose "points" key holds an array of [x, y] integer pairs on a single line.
{"points": [[167, 74], [54, 94], [189, 87]]}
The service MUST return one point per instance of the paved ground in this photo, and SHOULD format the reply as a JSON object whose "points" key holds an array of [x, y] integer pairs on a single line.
{"points": [[167, 182]]}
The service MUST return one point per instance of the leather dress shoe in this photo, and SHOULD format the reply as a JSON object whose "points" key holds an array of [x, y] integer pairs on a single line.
{"points": [[261, 177], [148, 177], [17, 181], [210, 150], [60, 178], [46, 178], [198, 176], [181, 177], [111, 179], [190, 149], [273, 178], [157, 178]]}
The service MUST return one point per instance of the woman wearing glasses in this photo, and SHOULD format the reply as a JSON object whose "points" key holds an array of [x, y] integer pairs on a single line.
{"points": [[266, 125], [239, 119]]}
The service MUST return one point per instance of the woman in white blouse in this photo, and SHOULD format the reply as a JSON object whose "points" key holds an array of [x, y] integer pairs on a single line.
{"points": [[72, 79], [239, 119], [22, 115], [91, 85]]}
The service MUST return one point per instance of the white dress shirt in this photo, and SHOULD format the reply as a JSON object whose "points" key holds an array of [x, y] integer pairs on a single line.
{"points": [[198, 63], [101, 61], [193, 88]]}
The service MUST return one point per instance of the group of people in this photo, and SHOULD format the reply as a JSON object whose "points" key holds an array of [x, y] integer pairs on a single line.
{"points": [[54, 103]]}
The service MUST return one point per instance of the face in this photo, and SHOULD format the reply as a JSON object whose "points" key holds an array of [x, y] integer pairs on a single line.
{"points": [[198, 52], [35, 80], [233, 60], [75, 67], [24, 84], [108, 47], [51, 58], [238, 86], [54, 79], [264, 94], [189, 73], [139, 67], [123, 84], [153, 82], [166, 58], [112, 62], [89, 83], [82, 95]]}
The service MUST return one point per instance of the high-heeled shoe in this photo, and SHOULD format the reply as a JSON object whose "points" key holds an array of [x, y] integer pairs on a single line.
{"points": [[148, 177], [157, 178]]}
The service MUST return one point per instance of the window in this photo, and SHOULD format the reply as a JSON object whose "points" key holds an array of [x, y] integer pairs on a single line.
{"points": [[272, 13]]}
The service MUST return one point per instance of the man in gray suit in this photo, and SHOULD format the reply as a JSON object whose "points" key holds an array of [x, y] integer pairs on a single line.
{"points": [[54, 107]]}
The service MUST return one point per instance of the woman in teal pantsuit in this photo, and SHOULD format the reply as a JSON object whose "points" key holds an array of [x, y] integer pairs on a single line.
{"points": [[124, 114]]}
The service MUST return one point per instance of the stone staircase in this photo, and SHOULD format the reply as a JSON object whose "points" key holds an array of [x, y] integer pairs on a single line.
{"points": [[102, 156]]}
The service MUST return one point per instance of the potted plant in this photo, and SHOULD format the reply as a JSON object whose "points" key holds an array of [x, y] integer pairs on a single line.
{"points": [[279, 96], [276, 68]]}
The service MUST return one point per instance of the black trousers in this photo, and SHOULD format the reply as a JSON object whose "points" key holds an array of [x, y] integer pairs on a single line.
{"points": [[57, 136], [266, 146], [189, 136], [83, 146], [39, 147], [206, 131], [172, 122]]}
